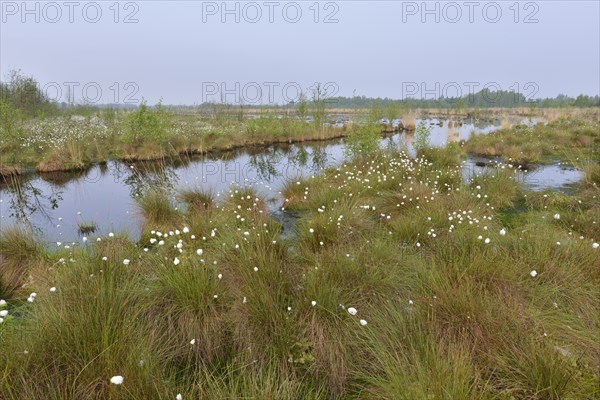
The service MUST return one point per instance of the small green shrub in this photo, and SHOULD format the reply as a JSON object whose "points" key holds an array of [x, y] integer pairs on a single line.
{"points": [[147, 125]]}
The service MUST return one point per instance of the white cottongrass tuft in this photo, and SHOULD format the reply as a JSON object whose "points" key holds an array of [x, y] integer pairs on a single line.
{"points": [[533, 273], [179, 396], [363, 322], [557, 216], [502, 232], [313, 303], [595, 245], [176, 261], [193, 342], [116, 380], [351, 310], [199, 252], [126, 261], [53, 289], [3, 313]]}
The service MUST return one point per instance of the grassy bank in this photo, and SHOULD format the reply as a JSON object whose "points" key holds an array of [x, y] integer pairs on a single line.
{"points": [[401, 282], [562, 138], [71, 143]]}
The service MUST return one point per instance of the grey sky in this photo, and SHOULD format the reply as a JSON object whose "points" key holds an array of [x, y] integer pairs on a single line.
{"points": [[377, 48]]}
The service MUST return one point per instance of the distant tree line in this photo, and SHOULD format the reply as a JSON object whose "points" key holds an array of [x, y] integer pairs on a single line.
{"points": [[22, 94], [481, 99]]}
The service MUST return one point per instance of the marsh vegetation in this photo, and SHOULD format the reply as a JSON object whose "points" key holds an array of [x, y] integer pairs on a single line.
{"points": [[402, 280], [389, 275]]}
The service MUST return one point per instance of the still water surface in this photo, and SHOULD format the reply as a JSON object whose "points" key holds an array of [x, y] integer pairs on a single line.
{"points": [[55, 204]]}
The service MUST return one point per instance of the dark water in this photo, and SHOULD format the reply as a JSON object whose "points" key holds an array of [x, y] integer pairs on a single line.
{"points": [[55, 204]]}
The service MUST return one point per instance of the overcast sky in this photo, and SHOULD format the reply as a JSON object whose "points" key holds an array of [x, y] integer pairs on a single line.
{"points": [[187, 52]]}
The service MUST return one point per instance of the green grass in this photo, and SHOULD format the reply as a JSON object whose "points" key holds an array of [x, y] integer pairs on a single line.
{"points": [[215, 304], [196, 198], [85, 228], [19, 251], [62, 143], [157, 207], [522, 144]]}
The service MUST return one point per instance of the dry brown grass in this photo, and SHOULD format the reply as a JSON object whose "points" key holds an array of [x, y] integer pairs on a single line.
{"points": [[409, 120]]}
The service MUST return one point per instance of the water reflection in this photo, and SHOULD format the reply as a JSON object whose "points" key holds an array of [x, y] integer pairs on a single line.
{"points": [[55, 204], [104, 194], [26, 199], [536, 177]]}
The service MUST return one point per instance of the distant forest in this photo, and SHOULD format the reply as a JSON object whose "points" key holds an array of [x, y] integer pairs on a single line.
{"points": [[481, 99], [22, 93]]}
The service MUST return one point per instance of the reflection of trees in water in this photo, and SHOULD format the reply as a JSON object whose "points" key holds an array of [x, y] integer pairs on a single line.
{"points": [[319, 158], [61, 179], [275, 161], [389, 144], [141, 176], [266, 163], [26, 199], [38, 194]]}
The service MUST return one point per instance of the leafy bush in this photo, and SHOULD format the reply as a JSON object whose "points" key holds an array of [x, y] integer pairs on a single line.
{"points": [[363, 140], [24, 94], [422, 135], [147, 124], [11, 128]]}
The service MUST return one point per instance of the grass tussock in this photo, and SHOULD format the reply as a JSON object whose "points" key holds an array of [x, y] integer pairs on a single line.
{"points": [[85, 228], [156, 207], [525, 144], [19, 253], [196, 198]]}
